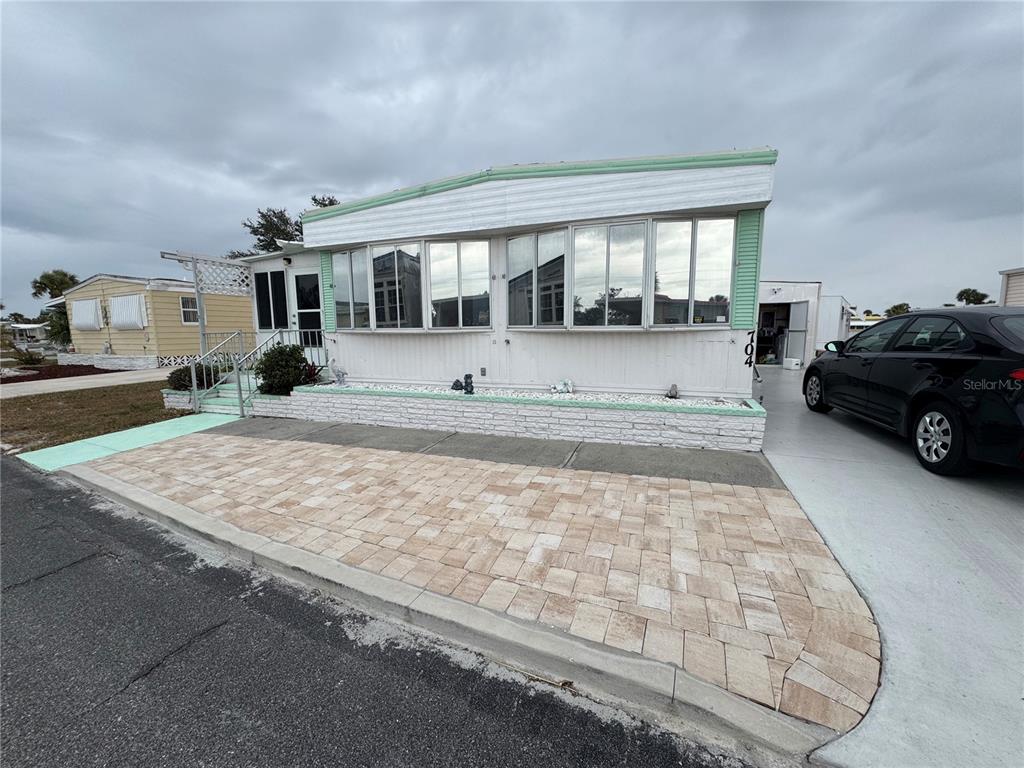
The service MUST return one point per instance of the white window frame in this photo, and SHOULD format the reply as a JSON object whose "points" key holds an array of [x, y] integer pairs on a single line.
{"points": [[566, 280], [182, 309], [350, 255], [458, 281], [653, 247], [274, 328], [424, 280], [646, 296]]}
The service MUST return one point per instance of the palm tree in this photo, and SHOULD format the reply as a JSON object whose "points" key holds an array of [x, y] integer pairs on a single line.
{"points": [[972, 296], [53, 282]]}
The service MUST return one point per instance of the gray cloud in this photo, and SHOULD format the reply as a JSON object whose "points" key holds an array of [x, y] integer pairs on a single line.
{"points": [[128, 128]]}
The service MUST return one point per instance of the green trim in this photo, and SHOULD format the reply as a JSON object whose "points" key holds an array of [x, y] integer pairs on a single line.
{"points": [[749, 231], [328, 314], [752, 409], [546, 170]]}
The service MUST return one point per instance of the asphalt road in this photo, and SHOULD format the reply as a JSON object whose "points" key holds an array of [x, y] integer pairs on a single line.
{"points": [[121, 647]]}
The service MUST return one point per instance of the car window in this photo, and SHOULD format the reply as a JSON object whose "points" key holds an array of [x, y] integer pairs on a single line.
{"points": [[875, 338], [930, 334], [1012, 326]]}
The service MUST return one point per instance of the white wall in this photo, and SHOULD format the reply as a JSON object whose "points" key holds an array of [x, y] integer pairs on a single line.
{"points": [[833, 320], [495, 205]]}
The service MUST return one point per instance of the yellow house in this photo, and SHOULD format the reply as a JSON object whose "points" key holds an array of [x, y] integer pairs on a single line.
{"points": [[136, 322]]}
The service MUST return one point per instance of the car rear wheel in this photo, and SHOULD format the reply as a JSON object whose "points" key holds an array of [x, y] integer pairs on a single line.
{"points": [[938, 440], [814, 394]]}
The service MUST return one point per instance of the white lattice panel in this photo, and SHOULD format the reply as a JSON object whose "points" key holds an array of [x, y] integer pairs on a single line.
{"points": [[223, 278]]}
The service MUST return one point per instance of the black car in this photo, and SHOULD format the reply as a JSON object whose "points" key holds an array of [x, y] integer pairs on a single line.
{"points": [[949, 380]]}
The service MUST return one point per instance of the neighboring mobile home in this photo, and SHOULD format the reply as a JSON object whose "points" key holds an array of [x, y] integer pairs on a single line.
{"points": [[622, 275], [136, 322], [1011, 292]]}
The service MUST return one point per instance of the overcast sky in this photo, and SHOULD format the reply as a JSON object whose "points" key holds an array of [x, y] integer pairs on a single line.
{"points": [[131, 128]]}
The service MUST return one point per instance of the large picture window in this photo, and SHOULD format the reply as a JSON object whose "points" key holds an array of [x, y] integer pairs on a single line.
{"points": [[397, 279], [536, 279], [271, 300], [460, 280], [608, 265], [351, 290], [693, 265]]}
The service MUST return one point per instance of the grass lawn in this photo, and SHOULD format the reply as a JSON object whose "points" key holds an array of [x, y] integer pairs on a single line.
{"points": [[40, 421]]}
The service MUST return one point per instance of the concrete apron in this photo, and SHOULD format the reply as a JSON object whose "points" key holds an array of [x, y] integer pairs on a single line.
{"points": [[655, 690]]}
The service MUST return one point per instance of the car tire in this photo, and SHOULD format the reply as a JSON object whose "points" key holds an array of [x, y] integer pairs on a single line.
{"points": [[938, 441], [814, 394]]}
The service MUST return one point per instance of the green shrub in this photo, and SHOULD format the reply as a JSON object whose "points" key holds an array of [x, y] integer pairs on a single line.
{"points": [[284, 367], [181, 378]]}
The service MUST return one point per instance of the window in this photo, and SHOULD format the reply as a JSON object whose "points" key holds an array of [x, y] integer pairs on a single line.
{"points": [[128, 312], [875, 338], [930, 334], [85, 315], [189, 310], [271, 301], [672, 245], [693, 264], [396, 285], [460, 282], [351, 290], [712, 274], [608, 274], [536, 279]]}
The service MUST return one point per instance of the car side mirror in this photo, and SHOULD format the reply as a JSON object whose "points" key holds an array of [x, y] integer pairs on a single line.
{"points": [[835, 346]]}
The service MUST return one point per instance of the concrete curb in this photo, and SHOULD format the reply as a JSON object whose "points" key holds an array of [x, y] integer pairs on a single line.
{"points": [[534, 648]]}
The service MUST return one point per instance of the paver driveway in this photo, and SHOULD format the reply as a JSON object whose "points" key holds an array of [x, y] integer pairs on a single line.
{"points": [[731, 583]]}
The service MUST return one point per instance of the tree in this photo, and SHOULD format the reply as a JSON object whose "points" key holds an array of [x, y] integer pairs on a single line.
{"points": [[897, 309], [53, 282], [324, 201], [58, 330], [971, 296], [273, 224]]}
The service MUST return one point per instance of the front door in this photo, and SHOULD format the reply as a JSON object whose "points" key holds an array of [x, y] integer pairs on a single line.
{"points": [[306, 313]]}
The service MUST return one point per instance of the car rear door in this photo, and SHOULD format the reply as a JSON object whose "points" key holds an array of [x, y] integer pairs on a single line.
{"points": [[917, 359], [846, 377]]}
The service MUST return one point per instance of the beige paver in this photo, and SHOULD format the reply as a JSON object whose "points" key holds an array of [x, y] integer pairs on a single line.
{"points": [[731, 583]]}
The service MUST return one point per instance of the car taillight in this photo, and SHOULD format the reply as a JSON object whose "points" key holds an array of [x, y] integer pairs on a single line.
{"points": [[1017, 375]]}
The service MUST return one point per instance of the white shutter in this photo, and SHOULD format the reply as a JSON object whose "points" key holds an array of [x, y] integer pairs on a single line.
{"points": [[85, 315], [128, 313]]}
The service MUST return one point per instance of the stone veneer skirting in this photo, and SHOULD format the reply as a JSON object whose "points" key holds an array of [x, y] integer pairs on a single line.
{"points": [[109, 362], [738, 429], [177, 400]]}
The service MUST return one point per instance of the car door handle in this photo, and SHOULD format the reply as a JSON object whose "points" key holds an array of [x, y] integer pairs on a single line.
{"points": [[921, 366]]}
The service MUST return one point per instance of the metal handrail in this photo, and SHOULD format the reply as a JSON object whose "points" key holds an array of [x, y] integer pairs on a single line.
{"points": [[245, 363], [196, 398]]}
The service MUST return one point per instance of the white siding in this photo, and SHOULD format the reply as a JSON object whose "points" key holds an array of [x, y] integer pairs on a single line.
{"points": [[495, 205], [700, 362], [1014, 290]]}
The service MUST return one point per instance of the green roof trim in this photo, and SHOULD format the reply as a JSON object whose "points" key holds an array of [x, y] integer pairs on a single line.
{"points": [[749, 408], [546, 170]]}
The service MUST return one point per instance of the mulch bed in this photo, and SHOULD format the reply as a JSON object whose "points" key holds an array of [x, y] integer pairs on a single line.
{"points": [[56, 372]]}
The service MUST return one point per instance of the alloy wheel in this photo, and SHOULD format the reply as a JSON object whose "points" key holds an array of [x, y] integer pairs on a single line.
{"points": [[934, 436], [813, 390]]}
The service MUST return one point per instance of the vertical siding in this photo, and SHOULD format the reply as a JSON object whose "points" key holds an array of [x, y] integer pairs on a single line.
{"points": [[1014, 291], [327, 290], [749, 226]]}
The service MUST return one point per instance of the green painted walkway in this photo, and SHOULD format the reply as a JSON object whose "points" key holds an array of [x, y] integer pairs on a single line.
{"points": [[97, 447]]}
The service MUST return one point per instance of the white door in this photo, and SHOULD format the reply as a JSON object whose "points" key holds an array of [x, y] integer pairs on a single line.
{"points": [[796, 338], [306, 316]]}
